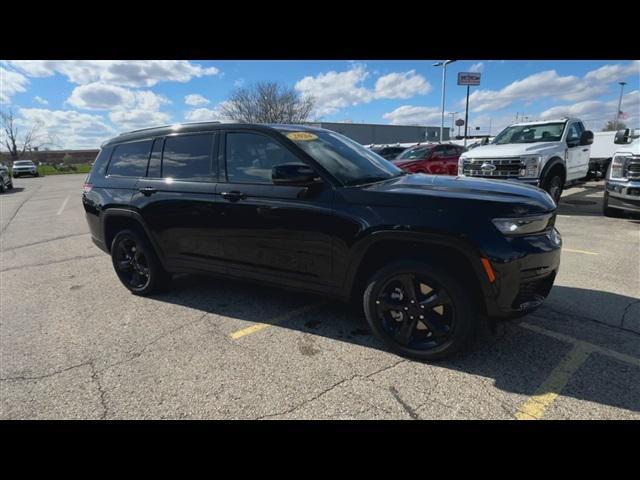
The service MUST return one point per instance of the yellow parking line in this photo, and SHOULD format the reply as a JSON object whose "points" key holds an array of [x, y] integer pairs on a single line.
{"points": [[579, 251], [538, 404], [279, 319], [535, 407]]}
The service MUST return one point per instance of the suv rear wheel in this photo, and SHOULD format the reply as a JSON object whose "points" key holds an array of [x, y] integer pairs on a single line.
{"points": [[419, 310], [137, 264]]}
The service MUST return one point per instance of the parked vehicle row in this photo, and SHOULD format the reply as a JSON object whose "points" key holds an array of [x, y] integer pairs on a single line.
{"points": [[426, 257], [6, 182], [622, 183]]}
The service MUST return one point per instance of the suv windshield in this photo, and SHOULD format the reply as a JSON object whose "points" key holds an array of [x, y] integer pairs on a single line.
{"points": [[23, 162], [543, 132], [345, 159], [413, 153]]}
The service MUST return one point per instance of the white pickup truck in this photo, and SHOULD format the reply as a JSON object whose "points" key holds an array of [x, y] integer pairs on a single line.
{"points": [[548, 154]]}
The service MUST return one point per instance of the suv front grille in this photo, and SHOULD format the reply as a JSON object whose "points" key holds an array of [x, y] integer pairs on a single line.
{"points": [[504, 167]]}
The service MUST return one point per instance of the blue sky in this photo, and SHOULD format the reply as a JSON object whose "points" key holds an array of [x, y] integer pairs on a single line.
{"points": [[81, 103]]}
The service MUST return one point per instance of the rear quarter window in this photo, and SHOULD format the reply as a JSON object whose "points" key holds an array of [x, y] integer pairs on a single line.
{"points": [[100, 165], [130, 159]]}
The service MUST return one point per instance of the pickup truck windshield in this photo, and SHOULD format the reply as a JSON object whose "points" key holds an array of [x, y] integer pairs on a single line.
{"points": [[543, 132], [347, 160]]}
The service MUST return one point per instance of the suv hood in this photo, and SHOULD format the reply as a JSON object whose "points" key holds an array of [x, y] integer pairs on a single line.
{"points": [[509, 197], [511, 150]]}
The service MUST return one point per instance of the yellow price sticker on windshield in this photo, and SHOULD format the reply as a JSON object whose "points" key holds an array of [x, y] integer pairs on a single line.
{"points": [[304, 136]]}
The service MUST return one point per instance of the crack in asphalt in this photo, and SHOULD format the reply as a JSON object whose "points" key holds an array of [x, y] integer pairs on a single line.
{"points": [[52, 262], [46, 375], [19, 207], [101, 391], [626, 310], [407, 408], [10, 249], [329, 389]]}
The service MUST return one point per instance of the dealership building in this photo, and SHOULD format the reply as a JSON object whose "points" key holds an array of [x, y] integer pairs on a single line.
{"points": [[368, 133]]}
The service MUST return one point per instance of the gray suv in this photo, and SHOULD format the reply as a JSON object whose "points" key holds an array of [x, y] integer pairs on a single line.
{"points": [[6, 183]]}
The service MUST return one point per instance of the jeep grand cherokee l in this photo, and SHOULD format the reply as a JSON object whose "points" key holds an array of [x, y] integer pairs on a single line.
{"points": [[304, 208]]}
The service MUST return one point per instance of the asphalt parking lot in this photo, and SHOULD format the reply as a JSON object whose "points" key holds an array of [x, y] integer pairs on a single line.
{"points": [[75, 344]]}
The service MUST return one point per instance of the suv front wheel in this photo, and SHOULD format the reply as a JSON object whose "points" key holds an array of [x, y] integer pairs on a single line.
{"points": [[419, 310], [137, 264]]}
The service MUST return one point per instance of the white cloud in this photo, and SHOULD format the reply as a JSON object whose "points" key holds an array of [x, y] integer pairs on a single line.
{"points": [[205, 114], [549, 84], [477, 67], [615, 72], [101, 96], [401, 85], [335, 90], [195, 100], [411, 115], [10, 84], [138, 118], [596, 113], [40, 100], [127, 73], [68, 128]]}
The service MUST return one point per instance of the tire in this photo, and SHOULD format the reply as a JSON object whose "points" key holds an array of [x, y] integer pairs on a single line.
{"points": [[553, 184], [607, 211], [450, 312], [10, 186], [144, 274]]}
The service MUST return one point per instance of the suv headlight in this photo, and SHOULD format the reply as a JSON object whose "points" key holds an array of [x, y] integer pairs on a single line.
{"points": [[524, 225], [530, 166], [618, 164]]}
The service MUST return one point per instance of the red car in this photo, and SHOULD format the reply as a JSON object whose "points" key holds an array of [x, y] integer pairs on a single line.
{"points": [[432, 158]]}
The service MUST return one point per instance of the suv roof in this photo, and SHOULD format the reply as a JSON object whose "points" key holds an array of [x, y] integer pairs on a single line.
{"points": [[162, 130], [553, 120]]}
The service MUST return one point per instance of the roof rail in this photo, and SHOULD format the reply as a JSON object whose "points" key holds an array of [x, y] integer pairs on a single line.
{"points": [[165, 126]]}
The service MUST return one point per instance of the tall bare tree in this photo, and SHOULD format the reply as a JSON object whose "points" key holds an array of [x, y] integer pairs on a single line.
{"points": [[16, 143], [267, 102]]}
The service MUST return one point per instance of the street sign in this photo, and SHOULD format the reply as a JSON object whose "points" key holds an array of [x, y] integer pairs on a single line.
{"points": [[468, 78], [459, 122]]}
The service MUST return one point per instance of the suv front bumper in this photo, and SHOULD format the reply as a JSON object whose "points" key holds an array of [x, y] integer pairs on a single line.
{"points": [[524, 282]]}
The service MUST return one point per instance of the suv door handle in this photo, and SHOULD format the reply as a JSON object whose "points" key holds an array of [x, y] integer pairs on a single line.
{"points": [[146, 191], [233, 196]]}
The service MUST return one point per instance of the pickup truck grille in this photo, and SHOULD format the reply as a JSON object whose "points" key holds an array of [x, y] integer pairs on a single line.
{"points": [[633, 168], [504, 167]]}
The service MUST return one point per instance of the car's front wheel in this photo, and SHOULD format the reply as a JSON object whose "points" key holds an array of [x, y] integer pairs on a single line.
{"points": [[553, 185], [137, 264], [419, 310]]}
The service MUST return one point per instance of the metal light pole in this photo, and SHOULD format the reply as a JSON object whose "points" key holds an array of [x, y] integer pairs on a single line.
{"points": [[444, 77], [622, 84]]}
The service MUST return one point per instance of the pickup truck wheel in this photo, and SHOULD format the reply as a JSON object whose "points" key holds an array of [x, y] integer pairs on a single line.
{"points": [[137, 264], [418, 310], [553, 186]]}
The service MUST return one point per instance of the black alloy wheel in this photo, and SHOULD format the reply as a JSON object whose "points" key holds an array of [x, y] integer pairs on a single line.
{"points": [[418, 310]]}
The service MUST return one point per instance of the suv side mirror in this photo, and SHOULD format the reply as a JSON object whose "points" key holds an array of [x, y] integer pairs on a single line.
{"points": [[586, 138], [293, 174], [622, 137]]}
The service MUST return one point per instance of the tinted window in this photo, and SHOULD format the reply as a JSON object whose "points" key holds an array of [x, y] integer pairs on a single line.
{"points": [[130, 159], [187, 157], [250, 157], [415, 152], [154, 161], [100, 165]]}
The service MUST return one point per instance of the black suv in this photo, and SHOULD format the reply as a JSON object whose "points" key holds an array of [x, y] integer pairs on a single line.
{"points": [[309, 209]]}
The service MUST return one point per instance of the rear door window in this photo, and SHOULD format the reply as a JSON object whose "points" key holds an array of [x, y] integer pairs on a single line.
{"points": [[130, 159], [188, 157]]}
